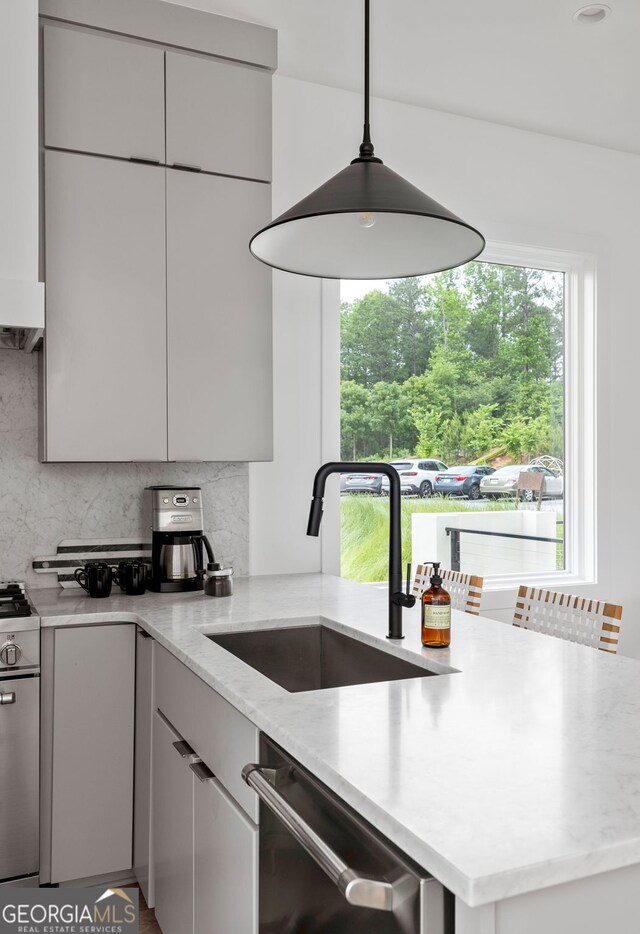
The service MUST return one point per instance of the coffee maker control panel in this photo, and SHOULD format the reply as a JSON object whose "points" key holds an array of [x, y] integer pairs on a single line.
{"points": [[174, 509]]}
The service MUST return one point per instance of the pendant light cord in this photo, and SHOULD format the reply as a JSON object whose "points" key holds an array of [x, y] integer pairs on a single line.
{"points": [[366, 147], [367, 29]]}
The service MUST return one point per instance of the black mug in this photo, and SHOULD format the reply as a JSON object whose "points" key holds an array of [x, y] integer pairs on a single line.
{"points": [[131, 577], [95, 577]]}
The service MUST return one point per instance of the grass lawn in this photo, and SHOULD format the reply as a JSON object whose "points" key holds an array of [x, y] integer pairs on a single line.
{"points": [[364, 540]]}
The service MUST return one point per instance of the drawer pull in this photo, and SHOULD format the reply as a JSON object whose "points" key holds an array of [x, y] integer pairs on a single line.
{"points": [[183, 749], [202, 772]]}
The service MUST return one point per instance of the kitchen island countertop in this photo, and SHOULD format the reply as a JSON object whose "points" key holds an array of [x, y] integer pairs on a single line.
{"points": [[516, 769]]}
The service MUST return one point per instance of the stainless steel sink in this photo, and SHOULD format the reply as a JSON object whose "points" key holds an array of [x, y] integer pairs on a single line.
{"points": [[311, 658]]}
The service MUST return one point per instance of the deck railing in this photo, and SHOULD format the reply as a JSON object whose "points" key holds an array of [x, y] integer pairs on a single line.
{"points": [[455, 533]]}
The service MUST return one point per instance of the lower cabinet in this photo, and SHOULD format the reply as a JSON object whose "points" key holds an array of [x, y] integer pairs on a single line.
{"points": [[205, 847], [225, 894], [173, 830], [205, 842], [142, 776], [87, 736]]}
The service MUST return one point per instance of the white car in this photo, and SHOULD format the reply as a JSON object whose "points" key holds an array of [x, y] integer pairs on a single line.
{"points": [[504, 481], [417, 475]]}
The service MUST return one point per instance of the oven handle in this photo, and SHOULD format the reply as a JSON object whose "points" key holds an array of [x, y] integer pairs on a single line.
{"points": [[357, 889]]}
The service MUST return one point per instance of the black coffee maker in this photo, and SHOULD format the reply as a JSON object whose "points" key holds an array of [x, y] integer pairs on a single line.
{"points": [[178, 543]]}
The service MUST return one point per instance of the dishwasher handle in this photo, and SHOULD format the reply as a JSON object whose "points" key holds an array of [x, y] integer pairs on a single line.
{"points": [[357, 889]]}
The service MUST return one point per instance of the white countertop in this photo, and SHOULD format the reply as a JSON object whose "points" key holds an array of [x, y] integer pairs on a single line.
{"points": [[518, 771]]}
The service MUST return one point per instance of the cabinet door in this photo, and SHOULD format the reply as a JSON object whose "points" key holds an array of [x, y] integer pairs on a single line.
{"points": [[105, 338], [225, 863], [143, 785], [173, 832], [92, 773], [218, 320], [103, 95], [218, 116]]}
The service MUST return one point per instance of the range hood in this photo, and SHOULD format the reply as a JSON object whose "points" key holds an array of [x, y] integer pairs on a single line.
{"points": [[21, 292]]}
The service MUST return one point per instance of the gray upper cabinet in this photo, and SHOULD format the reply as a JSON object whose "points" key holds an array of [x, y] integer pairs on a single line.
{"points": [[219, 336], [218, 116], [103, 95], [105, 311], [154, 304]]}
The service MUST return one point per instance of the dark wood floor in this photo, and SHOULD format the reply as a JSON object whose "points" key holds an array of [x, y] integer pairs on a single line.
{"points": [[148, 923]]}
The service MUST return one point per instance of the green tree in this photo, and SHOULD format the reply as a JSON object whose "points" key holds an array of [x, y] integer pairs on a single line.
{"points": [[476, 354], [451, 445], [388, 413], [481, 431], [354, 418], [417, 331], [525, 439], [429, 425]]}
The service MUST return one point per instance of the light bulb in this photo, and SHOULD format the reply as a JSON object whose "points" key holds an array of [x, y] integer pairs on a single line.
{"points": [[366, 219]]}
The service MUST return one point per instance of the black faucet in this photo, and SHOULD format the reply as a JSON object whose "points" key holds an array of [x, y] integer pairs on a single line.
{"points": [[397, 599]]}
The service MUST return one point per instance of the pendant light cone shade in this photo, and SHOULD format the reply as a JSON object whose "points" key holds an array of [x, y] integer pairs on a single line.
{"points": [[367, 222]]}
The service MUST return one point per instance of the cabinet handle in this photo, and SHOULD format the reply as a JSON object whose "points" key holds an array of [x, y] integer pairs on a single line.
{"points": [[143, 161], [7, 697], [357, 889], [186, 167], [202, 772], [183, 749]]}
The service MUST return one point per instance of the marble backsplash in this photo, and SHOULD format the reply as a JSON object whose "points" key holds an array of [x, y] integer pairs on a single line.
{"points": [[41, 504]]}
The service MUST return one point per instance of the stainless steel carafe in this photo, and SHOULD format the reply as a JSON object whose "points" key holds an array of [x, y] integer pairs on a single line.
{"points": [[178, 560]]}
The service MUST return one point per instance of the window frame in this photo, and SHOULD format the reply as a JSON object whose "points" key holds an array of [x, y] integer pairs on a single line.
{"points": [[580, 427]]}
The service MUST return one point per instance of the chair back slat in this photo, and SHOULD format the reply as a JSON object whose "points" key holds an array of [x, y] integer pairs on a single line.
{"points": [[465, 589], [576, 619]]}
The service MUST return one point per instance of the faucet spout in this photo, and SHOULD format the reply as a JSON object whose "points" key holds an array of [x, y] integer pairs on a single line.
{"points": [[397, 599], [315, 516]]}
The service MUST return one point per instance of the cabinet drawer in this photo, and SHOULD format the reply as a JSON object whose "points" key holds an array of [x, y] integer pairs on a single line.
{"points": [[103, 95], [221, 736], [225, 884], [173, 832]]}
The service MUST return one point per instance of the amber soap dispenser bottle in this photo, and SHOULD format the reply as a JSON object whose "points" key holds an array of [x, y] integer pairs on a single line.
{"points": [[436, 613]]}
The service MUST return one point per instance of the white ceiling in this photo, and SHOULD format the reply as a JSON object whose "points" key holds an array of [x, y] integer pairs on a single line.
{"points": [[524, 63]]}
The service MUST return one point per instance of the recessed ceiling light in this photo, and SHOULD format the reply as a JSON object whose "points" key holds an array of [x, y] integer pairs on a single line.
{"points": [[592, 14]]}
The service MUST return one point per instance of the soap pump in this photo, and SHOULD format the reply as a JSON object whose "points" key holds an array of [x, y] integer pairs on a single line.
{"points": [[436, 613]]}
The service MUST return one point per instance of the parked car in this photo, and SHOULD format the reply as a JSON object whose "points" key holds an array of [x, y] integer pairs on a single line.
{"points": [[361, 483], [504, 481], [462, 481], [417, 475]]}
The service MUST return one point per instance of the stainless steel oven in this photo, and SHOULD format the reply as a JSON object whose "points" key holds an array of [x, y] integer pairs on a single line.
{"points": [[322, 868], [19, 736]]}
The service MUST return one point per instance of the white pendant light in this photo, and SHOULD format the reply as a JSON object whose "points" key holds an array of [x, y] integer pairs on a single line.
{"points": [[367, 222]]}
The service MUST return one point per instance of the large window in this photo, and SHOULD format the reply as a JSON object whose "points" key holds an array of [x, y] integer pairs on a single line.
{"points": [[458, 379]]}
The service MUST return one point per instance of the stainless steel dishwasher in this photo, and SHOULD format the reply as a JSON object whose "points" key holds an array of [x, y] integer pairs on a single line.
{"points": [[322, 868]]}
